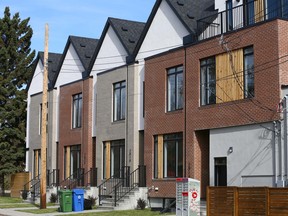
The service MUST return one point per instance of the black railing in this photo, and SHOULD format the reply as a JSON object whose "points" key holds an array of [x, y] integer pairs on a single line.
{"points": [[239, 17], [135, 179], [117, 187], [81, 179]]}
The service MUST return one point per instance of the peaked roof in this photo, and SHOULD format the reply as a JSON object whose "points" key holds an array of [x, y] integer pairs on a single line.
{"points": [[188, 12], [53, 63], [84, 47], [128, 32]]}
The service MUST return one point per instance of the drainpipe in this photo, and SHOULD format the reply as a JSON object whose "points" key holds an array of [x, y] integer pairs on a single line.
{"points": [[185, 113], [285, 138]]}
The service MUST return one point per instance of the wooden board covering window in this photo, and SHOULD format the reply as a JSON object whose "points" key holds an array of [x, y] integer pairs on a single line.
{"points": [[68, 155], [160, 156], [259, 10], [107, 159], [227, 86], [36, 162]]}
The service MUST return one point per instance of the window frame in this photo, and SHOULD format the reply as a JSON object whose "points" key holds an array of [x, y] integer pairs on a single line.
{"points": [[119, 113], [176, 73], [204, 96], [77, 107], [248, 52]]}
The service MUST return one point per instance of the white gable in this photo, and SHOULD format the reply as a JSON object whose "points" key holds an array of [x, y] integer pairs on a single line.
{"points": [[71, 69], [111, 54], [166, 32], [36, 85]]}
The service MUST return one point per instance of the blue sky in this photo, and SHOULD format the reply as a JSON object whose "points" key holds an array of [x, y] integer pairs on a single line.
{"points": [[84, 18]]}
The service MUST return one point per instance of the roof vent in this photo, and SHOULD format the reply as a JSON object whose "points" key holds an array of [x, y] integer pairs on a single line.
{"points": [[190, 15], [131, 41], [180, 2], [82, 45], [124, 29]]}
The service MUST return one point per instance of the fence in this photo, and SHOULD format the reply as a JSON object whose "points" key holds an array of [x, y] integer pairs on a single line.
{"points": [[242, 201]]}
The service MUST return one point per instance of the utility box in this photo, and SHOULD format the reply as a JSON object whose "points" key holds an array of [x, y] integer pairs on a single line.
{"points": [[187, 197], [65, 199]]}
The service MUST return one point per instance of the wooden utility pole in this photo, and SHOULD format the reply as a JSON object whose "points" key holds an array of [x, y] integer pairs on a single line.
{"points": [[44, 125]]}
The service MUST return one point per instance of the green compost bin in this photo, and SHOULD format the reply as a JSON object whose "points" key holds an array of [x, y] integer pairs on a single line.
{"points": [[65, 199]]}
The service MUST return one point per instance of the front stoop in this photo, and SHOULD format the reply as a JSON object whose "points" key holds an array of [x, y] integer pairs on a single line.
{"points": [[128, 202]]}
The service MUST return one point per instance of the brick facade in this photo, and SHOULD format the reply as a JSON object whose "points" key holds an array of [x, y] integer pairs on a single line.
{"points": [[268, 40], [69, 136]]}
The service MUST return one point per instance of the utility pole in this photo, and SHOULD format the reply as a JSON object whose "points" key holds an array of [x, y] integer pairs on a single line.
{"points": [[44, 125]]}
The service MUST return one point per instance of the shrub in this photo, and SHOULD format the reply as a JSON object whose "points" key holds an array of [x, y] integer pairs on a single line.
{"points": [[24, 194], [141, 204], [93, 200], [53, 198]]}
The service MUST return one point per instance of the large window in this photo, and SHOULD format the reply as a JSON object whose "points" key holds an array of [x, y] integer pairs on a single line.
{"points": [[249, 12], [175, 88], [168, 156], [77, 111], [249, 72], [119, 101], [208, 81]]}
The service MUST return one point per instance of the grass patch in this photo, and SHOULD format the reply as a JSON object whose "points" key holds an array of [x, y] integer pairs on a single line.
{"points": [[5, 200], [40, 211], [146, 212], [11, 205]]}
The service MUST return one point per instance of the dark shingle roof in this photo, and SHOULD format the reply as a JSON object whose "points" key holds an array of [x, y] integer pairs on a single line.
{"points": [[85, 48], [53, 63], [128, 32], [189, 11]]}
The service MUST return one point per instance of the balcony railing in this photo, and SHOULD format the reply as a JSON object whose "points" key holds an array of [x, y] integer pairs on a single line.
{"points": [[239, 17]]}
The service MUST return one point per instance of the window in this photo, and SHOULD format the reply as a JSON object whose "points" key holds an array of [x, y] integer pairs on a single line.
{"points": [[72, 160], [119, 101], [248, 72], [175, 88], [208, 81], [77, 111], [273, 8], [168, 156], [229, 14], [249, 12]]}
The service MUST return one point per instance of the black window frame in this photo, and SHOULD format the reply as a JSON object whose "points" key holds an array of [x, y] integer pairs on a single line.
{"points": [[77, 106], [205, 87], [178, 90], [120, 113], [248, 52]]}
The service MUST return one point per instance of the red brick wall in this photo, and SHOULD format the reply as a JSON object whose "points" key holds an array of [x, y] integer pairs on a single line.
{"points": [[74, 136], [264, 39]]}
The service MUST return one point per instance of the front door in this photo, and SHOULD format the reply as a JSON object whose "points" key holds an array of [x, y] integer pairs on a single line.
{"points": [[220, 171]]}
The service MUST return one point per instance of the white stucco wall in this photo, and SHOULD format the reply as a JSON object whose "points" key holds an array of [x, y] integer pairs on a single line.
{"points": [[252, 162], [111, 54]]}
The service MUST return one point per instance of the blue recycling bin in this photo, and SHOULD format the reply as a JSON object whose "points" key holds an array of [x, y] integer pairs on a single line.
{"points": [[77, 199]]}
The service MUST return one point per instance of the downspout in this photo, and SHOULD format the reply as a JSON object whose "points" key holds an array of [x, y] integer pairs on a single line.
{"points": [[185, 113], [285, 138], [126, 119], [274, 135]]}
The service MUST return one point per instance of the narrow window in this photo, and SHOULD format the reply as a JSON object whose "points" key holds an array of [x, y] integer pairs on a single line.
{"points": [[175, 88], [248, 72], [119, 101], [208, 81], [229, 15], [77, 111], [155, 157], [173, 155], [249, 11]]}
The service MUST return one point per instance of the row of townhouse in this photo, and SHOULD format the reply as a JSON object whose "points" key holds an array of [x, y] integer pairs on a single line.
{"points": [[193, 92]]}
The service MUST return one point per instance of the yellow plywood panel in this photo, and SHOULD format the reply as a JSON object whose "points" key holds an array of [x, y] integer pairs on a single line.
{"points": [[36, 171], [17, 183], [160, 156], [108, 159], [68, 161], [229, 76], [259, 10]]}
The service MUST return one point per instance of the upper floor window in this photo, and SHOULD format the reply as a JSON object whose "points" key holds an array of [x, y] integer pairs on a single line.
{"points": [[77, 111], [175, 88], [249, 12], [248, 72], [229, 14], [119, 101], [208, 81]]}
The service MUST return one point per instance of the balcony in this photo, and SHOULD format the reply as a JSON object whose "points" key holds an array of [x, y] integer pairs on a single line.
{"points": [[241, 16]]}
